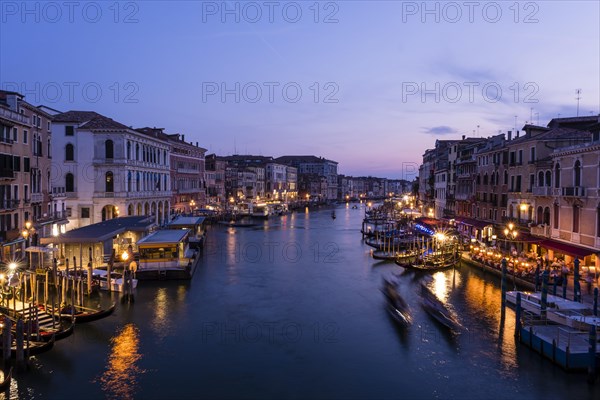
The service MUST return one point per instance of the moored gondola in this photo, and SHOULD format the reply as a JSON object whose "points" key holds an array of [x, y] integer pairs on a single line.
{"points": [[32, 347], [84, 314]]}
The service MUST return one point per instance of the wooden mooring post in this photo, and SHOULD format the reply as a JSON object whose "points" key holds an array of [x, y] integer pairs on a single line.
{"points": [[6, 340]]}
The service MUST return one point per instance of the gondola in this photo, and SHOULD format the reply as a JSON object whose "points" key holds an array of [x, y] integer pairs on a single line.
{"points": [[396, 306], [84, 314], [7, 378], [35, 347], [60, 333], [439, 311]]}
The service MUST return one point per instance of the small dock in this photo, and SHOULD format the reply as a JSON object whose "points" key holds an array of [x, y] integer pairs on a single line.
{"points": [[565, 346]]}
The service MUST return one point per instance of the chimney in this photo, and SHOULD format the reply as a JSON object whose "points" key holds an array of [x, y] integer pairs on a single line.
{"points": [[183, 138], [517, 135], [463, 137], [509, 135]]}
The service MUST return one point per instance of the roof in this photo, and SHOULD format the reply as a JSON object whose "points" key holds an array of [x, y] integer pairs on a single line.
{"points": [[89, 120], [75, 116], [303, 159], [186, 221], [164, 237], [103, 230], [554, 134], [472, 222]]}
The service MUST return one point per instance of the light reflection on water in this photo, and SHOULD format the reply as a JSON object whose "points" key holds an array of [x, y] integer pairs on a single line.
{"points": [[161, 322], [119, 381]]}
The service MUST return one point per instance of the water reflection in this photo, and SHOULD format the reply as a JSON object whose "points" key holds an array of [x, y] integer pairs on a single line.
{"points": [[120, 379], [484, 300], [439, 286], [161, 322]]}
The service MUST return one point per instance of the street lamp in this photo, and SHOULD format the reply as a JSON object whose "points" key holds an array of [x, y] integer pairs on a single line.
{"points": [[510, 232]]}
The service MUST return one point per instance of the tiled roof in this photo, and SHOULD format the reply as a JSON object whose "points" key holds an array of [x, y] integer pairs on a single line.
{"points": [[554, 134], [102, 122], [302, 159], [75, 116], [90, 120]]}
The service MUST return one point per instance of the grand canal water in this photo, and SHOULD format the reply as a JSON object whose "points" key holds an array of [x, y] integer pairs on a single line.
{"points": [[292, 309]]}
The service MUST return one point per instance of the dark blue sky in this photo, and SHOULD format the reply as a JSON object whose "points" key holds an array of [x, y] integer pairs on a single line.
{"points": [[369, 84]]}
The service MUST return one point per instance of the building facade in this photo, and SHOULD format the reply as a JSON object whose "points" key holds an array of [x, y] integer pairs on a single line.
{"points": [[30, 208], [128, 172]]}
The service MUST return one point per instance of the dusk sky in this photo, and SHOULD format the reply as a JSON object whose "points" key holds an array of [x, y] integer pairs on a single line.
{"points": [[343, 80]]}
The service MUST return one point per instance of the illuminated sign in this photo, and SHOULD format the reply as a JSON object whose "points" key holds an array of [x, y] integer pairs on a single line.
{"points": [[424, 229]]}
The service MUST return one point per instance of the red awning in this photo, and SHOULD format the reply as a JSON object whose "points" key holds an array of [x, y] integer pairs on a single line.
{"points": [[567, 248], [472, 222]]}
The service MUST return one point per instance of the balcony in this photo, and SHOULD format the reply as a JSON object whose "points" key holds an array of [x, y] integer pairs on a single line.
{"points": [[545, 191], [49, 217], [13, 116], [188, 171], [37, 197], [6, 140], [71, 195], [58, 192], [541, 230], [9, 205], [573, 191]]}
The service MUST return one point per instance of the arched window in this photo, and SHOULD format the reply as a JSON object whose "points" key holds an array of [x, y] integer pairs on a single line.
{"points": [[129, 149], [137, 151], [547, 216], [129, 187], [541, 178], [109, 183], [69, 152], [478, 180], [69, 183], [556, 215], [540, 215], [109, 149], [577, 174], [505, 177], [137, 181], [485, 179], [548, 178], [557, 176]]}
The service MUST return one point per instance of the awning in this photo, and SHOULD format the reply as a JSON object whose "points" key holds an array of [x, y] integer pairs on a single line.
{"points": [[568, 249], [472, 222]]}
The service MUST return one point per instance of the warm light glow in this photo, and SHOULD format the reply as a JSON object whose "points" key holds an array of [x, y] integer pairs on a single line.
{"points": [[120, 380], [27, 225], [55, 230], [12, 266], [511, 226], [524, 207], [25, 234], [125, 256], [506, 232]]}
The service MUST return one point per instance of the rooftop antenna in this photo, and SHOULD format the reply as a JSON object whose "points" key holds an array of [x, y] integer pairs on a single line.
{"points": [[531, 114], [515, 123], [537, 115], [578, 92], [234, 146], [477, 130]]}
